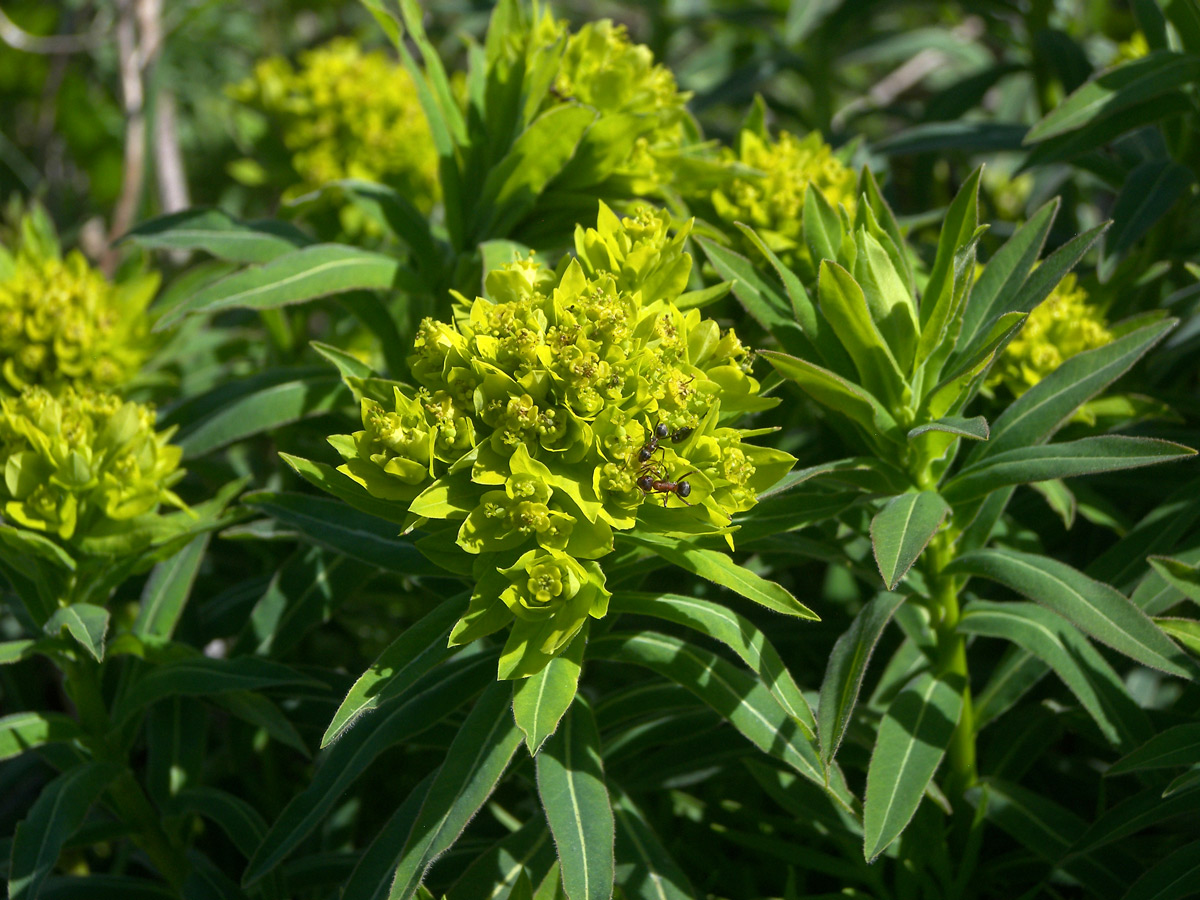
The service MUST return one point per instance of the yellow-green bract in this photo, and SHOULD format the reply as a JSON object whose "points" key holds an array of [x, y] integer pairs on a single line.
{"points": [[533, 410]]}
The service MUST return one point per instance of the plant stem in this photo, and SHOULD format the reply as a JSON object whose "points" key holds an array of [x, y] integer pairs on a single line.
{"points": [[128, 799], [952, 662]]}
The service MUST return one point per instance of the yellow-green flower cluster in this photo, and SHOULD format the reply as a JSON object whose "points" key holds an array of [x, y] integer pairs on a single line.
{"points": [[1060, 327], [343, 113], [83, 463], [773, 202], [62, 322], [603, 69], [534, 429]]}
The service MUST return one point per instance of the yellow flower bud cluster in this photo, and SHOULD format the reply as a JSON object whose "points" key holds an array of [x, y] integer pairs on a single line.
{"points": [[62, 322], [1060, 327], [773, 202], [343, 113], [83, 464]]}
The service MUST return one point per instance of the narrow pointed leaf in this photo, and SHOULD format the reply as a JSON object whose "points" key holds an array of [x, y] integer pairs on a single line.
{"points": [[541, 700], [1016, 673], [570, 781], [844, 306], [473, 766], [1056, 642], [407, 658], [902, 529], [1173, 878], [1184, 577], [86, 623], [498, 867], [215, 232], [1096, 608], [57, 813], [373, 876], [1178, 746], [910, 744], [736, 632], [846, 669], [167, 590], [1067, 459], [957, 228], [23, 731], [645, 869], [975, 428], [1149, 191]]}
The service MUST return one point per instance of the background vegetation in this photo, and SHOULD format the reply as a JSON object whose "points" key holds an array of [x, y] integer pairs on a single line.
{"points": [[950, 653]]}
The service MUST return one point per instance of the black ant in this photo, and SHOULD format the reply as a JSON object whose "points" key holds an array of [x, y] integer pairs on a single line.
{"points": [[652, 485], [661, 432]]}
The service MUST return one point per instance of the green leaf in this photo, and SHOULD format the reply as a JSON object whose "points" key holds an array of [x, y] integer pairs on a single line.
{"points": [[330, 480], [1173, 878], [540, 700], [846, 668], [955, 390], [26, 730], [372, 877], [841, 396], [260, 712], [1077, 663], [1149, 191], [215, 232], [761, 300], [1100, 610], [295, 277], [421, 647], [645, 868], [902, 529], [1016, 673], [1185, 16], [473, 766], [1186, 631], [498, 867], [167, 590], [1006, 271], [338, 527], [86, 623], [742, 699], [56, 814], [845, 308], [1184, 577], [422, 706], [736, 632], [200, 676], [397, 213], [15, 651], [1133, 83], [240, 821], [720, 569], [958, 228], [912, 738], [975, 428], [238, 409], [537, 155], [1038, 413], [570, 781], [1067, 459], [1178, 746]]}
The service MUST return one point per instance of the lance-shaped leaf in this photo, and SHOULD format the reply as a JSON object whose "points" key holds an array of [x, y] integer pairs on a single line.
{"points": [[23, 731], [86, 623], [975, 428], [845, 308], [373, 876], [1173, 878], [841, 396], [167, 590], [645, 869], [1183, 576], [1068, 459], [1058, 644], [720, 569], [734, 694], [1006, 271], [1151, 189], [330, 480], [1016, 673], [958, 228], [570, 780], [761, 300], [422, 706], [218, 233], [902, 529], [296, 277], [736, 632], [1131, 84], [541, 700], [407, 658], [498, 867], [476, 760], [910, 744], [955, 390], [56, 814], [1178, 746], [331, 524], [1096, 608], [846, 669]]}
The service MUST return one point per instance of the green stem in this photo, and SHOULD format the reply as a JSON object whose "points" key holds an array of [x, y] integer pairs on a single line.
{"points": [[128, 799], [952, 662]]}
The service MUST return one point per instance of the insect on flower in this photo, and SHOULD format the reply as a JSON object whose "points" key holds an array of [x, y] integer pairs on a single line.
{"points": [[678, 436], [651, 482]]}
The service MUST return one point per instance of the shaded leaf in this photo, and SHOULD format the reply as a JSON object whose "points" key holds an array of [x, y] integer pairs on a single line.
{"points": [[902, 529]]}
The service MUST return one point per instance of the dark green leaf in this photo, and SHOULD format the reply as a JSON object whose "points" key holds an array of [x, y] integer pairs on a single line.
{"points": [[1148, 193], [215, 232], [540, 700], [1178, 746], [1173, 878], [645, 869], [168, 588], [86, 623], [975, 428], [902, 529]]}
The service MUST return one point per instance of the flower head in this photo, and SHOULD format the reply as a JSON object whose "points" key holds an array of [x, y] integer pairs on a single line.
{"points": [[82, 464], [343, 113], [568, 404]]}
